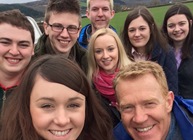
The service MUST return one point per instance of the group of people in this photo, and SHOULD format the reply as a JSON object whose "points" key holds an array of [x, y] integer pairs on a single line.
{"points": [[80, 83]]}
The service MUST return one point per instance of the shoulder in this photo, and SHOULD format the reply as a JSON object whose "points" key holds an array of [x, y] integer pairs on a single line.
{"points": [[120, 133], [183, 112]]}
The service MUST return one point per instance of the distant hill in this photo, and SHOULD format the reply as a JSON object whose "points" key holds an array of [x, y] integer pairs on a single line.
{"points": [[28, 11], [36, 9]]}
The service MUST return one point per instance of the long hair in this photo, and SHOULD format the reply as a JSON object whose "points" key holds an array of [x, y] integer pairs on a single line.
{"points": [[155, 37], [184, 10], [16, 118], [93, 67]]}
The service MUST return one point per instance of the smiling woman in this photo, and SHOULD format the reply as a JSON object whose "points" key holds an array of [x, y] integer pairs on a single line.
{"points": [[54, 101]]}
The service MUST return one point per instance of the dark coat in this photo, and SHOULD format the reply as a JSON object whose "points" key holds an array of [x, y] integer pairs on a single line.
{"points": [[185, 77], [3, 96], [168, 62], [77, 53]]}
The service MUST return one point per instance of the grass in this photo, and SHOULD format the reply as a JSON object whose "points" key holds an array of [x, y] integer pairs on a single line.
{"points": [[158, 13]]}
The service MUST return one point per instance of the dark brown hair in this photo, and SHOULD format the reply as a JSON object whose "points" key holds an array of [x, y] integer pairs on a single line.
{"points": [[16, 118], [62, 6], [17, 19], [180, 8], [155, 37]]}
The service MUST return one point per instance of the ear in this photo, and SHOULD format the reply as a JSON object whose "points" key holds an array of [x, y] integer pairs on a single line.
{"points": [[112, 13], [33, 50], [45, 25], [79, 31], [169, 101], [87, 14]]}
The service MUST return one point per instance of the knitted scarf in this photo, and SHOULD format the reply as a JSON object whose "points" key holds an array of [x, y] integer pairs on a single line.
{"points": [[104, 84]]}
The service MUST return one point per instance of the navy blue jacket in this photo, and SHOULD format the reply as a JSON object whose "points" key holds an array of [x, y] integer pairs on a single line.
{"points": [[82, 40], [168, 62], [184, 120], [185, 77]]}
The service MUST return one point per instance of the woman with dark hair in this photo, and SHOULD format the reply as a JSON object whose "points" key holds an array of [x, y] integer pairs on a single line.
{"points": [[54, 101], [177, 27], [143, 41]]}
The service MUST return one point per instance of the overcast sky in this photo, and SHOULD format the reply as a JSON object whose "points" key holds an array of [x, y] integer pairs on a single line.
{"points": [[16, 1]]}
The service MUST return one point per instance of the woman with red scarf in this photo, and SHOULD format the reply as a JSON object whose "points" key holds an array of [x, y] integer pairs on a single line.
{"points": [[106, 56]]}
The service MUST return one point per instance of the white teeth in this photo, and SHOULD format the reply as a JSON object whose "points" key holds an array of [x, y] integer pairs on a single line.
{"points": [[60, 133], [64, 42], [144, 129], [13, 60]]}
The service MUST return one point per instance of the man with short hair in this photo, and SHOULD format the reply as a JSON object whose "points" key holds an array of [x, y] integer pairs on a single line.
{"points": [[16, 49], [100, 13], [62, 26], [148, 110]]}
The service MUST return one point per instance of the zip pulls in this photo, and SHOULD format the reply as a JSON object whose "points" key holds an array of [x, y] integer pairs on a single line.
{"points": [[3, 99]]}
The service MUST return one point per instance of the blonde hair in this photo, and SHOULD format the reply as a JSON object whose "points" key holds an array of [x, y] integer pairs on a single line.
{"points": [[137, 69], [93, 67], [110, 1]]}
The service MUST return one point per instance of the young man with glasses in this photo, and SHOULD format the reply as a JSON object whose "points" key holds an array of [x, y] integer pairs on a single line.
{"points": [[62, 26]]}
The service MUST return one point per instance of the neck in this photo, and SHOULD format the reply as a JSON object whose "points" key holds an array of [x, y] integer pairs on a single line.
{"points": [[8, 80], [141, 50], [178, 45], [95, 29]]}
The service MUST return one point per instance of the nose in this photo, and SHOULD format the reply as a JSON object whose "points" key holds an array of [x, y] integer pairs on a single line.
{"points": [[61, 117], [177, 28], [137, 33], [100, 12], [105, 54], [140, 115], [14, 50], [64, 33]]}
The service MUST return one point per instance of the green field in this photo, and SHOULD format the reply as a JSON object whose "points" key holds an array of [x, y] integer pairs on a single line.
{"points": [[157, 12]]}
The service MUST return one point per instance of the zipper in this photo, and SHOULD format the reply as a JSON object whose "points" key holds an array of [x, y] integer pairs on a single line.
{"points": [[4, 98]]}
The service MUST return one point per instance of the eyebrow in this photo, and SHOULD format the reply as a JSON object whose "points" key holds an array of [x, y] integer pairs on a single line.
{"points": [[52, 99], [142, 102], [21, 41]]}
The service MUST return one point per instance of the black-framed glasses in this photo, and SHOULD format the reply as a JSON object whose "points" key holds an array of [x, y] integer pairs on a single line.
{"points": [[72, 29]]}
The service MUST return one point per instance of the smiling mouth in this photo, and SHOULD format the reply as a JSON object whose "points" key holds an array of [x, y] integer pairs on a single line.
{"points": [[60, 133], [145, 129], [64, 41], [13, 61]]}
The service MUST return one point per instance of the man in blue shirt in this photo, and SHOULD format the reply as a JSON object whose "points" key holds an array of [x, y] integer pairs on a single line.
{"points": [[148, 110]]}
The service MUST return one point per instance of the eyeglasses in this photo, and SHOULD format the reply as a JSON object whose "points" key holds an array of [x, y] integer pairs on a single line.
{"points": [[72, 29]]}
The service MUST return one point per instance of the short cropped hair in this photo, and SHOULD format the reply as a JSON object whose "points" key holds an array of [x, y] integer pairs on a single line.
{"points": [[17, 19], [140, 68], [62, 6], [111, 4]]}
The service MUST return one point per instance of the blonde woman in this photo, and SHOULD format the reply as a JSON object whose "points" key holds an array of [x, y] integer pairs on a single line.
{"points": [[106, 56]]}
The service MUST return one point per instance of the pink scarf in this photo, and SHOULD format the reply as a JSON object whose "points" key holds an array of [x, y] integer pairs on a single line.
{"points": [[104, 84]]}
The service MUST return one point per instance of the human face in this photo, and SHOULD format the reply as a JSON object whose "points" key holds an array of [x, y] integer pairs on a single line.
{"points": [[100, 14], [178, 28], [106, 53], [58, 112], [139, 33], [16, 49], [62, 42], [145, 112]]}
